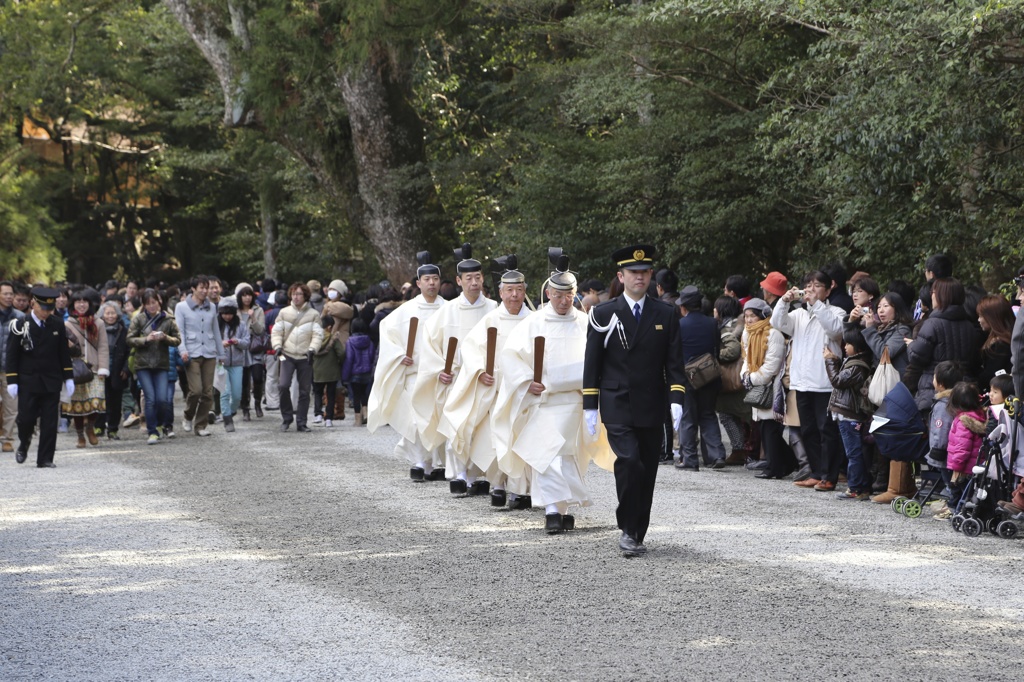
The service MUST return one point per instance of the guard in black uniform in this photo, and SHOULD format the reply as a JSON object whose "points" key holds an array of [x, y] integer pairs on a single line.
{"points": [[38, 366], [633, 365]]}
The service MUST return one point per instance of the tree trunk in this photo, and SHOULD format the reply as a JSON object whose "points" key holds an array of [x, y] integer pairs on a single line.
{"points": [[377, 173], [268, 220], [396, 188]]}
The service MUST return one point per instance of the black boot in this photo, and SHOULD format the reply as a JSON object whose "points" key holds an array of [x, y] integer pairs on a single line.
{"points": [[553, 523], [229, 424], [259, 411], [245, 415]]}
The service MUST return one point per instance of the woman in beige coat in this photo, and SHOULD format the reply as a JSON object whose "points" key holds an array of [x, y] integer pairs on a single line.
{"points": [[87, 335]]}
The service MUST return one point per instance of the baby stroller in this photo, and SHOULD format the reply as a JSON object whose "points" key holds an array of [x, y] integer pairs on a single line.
{"points": [[900, 435], [990, 483]]}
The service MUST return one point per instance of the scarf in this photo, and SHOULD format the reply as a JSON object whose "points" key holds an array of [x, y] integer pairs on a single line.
{"points": [[757, 343], [88, 325], [153, 321]]}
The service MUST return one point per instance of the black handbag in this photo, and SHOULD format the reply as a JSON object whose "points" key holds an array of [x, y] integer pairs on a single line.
{"points": [[82, 371], [760, 397]]}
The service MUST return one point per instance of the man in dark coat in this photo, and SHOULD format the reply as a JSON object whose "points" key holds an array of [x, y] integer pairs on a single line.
{"points": [[633, 366], [38, 366], [699, 334]]}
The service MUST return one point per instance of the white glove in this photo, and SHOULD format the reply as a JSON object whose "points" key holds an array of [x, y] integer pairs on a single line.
{"points": [[69, 386], [12, 390], [677, 415], [590, 417], [103, 372]]}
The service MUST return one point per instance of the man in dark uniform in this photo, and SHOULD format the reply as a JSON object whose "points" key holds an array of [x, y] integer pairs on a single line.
{"points": [[633, 366], [38, 365]]}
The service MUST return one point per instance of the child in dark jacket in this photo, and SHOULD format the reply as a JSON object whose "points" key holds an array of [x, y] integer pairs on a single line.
{"points": [[947, 375], [848, 404], [357, 372]]}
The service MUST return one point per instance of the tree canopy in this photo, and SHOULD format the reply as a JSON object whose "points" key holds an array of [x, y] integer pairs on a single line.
{"points": [[337, 138]]}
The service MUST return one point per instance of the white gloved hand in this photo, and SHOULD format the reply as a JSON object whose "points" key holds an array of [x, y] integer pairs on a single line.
{"points": [[590, 417], [677, 415], [12, 390], [103, 372], [69, 386]]}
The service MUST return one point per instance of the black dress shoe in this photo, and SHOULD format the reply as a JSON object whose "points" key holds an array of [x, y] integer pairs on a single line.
{"points": [[51, 465], [286, 426], [630, 547], [21, 455], [665, 459], [686, 467], [259, 412], [416, 473], [457, 486], [553, 523], [436, 475], [568, 522], [479, 488], [498, 498], [766, 474], [302, 428], [718, 464]]}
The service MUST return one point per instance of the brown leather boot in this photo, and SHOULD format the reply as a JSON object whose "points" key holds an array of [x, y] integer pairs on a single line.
{"points": [[81, 439], [90, 432], [901, 483]]}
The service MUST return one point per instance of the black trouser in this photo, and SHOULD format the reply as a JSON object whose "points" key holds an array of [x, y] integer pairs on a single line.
{"points": [[43, 407], [253, 377], [637, 451], [319, 387], [360, 394], [778, 454], [111, 421], [820, 435]]}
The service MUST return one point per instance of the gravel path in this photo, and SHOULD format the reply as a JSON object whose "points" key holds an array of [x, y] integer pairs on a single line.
{"points": [[262, 555]]}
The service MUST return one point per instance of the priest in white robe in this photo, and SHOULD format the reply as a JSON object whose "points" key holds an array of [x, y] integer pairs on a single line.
{"points": [[466, 420], [395, 374], [538, 425], [434, 378]]}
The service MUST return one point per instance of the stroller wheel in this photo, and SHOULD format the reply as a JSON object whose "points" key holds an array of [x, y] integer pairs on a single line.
{"points": [[957, 522], [897, 504], [972, 528], [1007, 529], [991, 525], [911, 509]]}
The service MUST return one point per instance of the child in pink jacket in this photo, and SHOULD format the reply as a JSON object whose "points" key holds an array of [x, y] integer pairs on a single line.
{"points": [[965, 436]]}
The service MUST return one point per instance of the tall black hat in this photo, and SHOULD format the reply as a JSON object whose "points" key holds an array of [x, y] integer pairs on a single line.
{"points": [[426, 267], [560, 277], [465, 260], [509, 269]]}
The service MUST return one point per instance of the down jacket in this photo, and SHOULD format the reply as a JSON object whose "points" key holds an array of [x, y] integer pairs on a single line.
{"points": [[965, 438], [297, 331], [947, 334]]}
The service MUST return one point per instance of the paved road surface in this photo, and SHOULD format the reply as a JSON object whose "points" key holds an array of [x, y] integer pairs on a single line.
{"points": [[262, 555]]}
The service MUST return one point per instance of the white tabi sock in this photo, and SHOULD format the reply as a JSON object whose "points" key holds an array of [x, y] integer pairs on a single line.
{"points": [[551, 509]]}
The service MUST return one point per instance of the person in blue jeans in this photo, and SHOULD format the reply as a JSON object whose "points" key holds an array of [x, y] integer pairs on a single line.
{"points": [[151, 332], [849, 405], [174, 364], [235, 339]]}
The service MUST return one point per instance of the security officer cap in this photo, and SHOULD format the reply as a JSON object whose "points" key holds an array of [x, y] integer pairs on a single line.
{"points": [[46, 297], [636, 257]]}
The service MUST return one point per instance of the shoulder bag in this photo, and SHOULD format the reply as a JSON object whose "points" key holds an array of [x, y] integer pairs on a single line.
{"points": [[702, 370]]}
